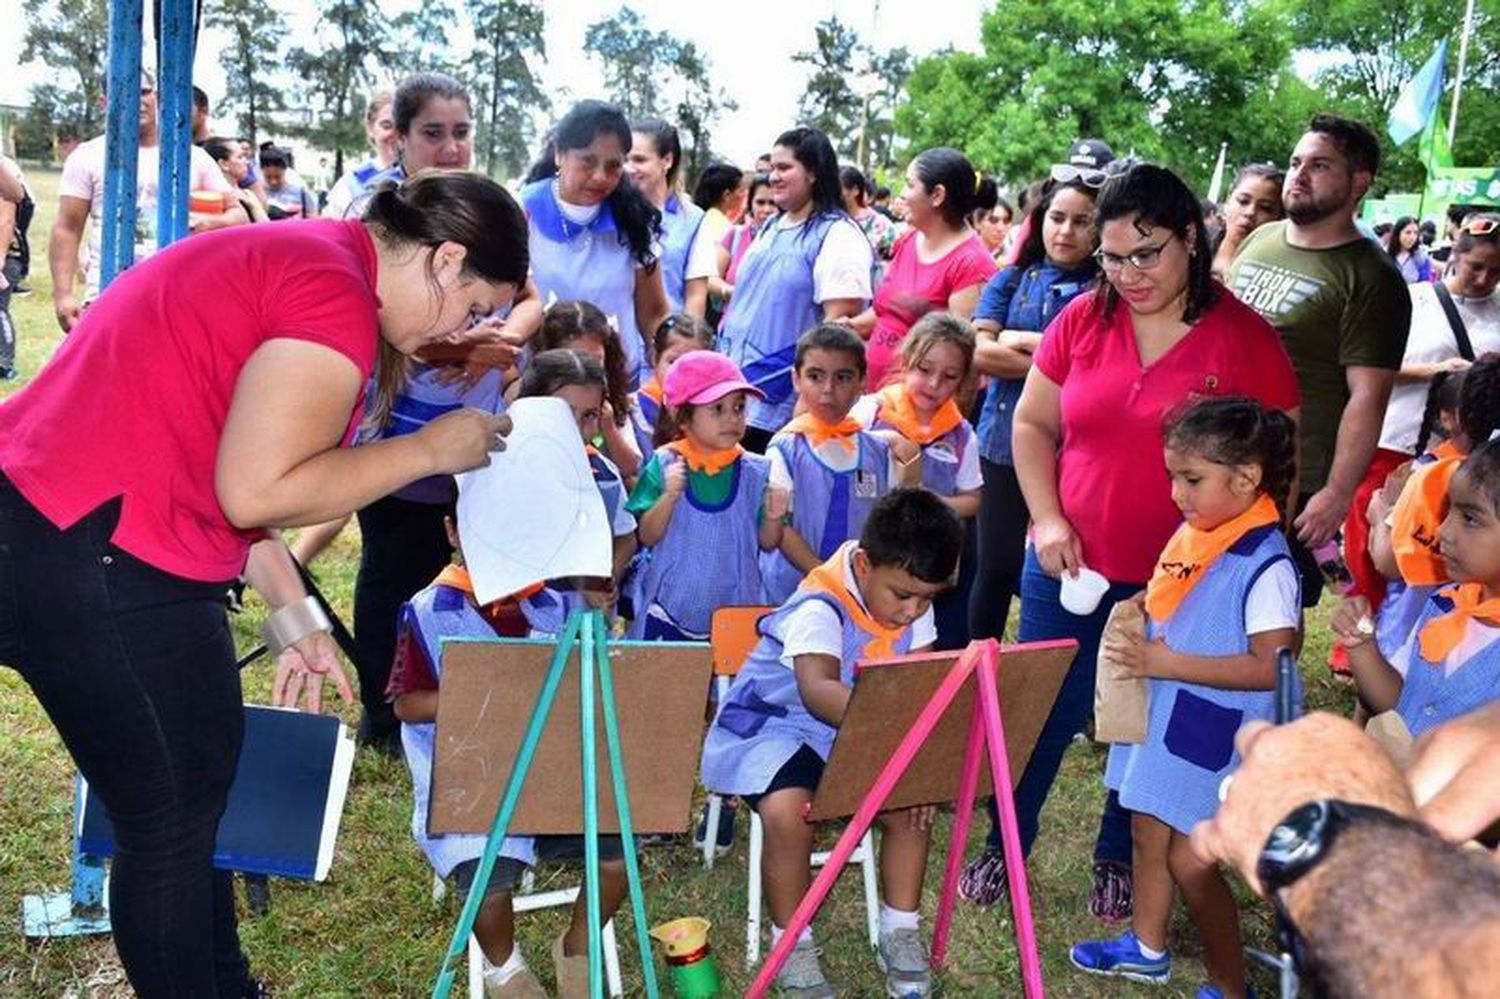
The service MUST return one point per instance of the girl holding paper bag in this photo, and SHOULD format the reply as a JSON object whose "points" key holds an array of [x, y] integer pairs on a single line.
{"points": [[1224, 597]]}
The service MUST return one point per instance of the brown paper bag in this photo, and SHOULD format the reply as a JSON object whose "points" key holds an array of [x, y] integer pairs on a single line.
{"points": [[1120, 704]]}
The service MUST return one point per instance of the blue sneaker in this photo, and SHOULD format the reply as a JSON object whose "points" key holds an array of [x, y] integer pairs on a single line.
{"points": [[1121, 957], [1210, 991]]}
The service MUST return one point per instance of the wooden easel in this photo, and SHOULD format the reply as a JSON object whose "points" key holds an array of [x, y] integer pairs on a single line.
{"points": [[985, 738], [589, 634]]}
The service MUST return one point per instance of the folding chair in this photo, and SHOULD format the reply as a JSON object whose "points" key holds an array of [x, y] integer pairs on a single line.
{"points": [[527, 900], [733, 637]]}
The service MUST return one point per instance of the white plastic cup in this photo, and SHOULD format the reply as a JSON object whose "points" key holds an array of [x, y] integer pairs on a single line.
{"points": [[1081, 593]]}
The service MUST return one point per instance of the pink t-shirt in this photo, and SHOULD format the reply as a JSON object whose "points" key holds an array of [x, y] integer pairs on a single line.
{"points": [[134, 401], [912, 289], [1112, 482]]}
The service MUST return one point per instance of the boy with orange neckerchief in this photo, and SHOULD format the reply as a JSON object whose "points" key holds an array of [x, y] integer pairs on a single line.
{"points": [[831, 467], [871, 599]]}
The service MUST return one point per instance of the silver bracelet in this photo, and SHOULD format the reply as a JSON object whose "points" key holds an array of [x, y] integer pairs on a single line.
{"points": [[292, 623]]}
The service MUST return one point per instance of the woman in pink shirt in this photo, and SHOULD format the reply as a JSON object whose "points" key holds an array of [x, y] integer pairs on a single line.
{"points": [[938, 264], [203, 401], [1087, 444]]}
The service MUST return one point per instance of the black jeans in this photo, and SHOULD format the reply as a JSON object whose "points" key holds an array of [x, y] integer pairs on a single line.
{"points": [[1002, 523], [403, 548], [12, 269], [136, 669]]}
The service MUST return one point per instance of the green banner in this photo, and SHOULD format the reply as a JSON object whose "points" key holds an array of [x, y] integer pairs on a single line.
{"points": [[1467, 185]]}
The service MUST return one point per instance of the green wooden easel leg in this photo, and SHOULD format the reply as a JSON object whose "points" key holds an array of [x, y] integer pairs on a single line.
{"points": [[622, 808], [454, 959], [588, 649]]}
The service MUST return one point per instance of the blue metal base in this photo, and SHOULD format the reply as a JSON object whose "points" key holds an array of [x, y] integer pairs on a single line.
{"points": [[54, 916]]}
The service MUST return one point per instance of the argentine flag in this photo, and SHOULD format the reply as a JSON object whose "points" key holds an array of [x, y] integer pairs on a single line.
{"points": [[1419, 98]]}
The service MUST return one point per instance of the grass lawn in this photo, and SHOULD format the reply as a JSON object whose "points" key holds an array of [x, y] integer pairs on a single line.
{"points": [[373, 929]]}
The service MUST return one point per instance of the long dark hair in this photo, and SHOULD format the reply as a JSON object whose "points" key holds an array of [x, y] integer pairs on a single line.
{"points": [[952, 169], [1237, 430], [716, 180], [1033, 250], [570, 320], [812, 149], [636, 217], [1393, 238], [664, 137], [1155, 196]]}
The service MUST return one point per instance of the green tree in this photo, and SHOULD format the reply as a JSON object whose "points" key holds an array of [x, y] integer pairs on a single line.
{"points": [[1168, 79], [507, 90], [1375, 49], [352, 38], [830, 103], [888, 72], [655, 74], [251, 61], [71, 39], [420, 42]]}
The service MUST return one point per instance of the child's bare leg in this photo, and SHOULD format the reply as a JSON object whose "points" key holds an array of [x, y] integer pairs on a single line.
{"points": [[786, 860], [1214, 913], [1152, 891], [311, 540], [612, 889], [495, 927], [907, 834]]}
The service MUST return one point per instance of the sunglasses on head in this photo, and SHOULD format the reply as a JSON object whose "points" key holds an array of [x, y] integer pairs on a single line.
{"points": [[1480, 225], [1067, 173]]}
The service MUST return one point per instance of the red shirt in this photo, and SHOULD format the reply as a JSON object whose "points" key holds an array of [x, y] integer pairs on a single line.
{"points": [[1112, 481], [134, 401], [912, 289]]}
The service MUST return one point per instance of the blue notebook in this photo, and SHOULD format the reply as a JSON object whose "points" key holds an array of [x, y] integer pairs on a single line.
{"points": [[284, 806]]}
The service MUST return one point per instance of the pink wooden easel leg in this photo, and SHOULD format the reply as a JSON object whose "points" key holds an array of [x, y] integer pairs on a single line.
{"points": [[931, 714], [1015, 863], [958, 842]]}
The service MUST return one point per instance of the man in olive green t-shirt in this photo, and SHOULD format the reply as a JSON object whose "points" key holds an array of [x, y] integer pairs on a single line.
{"points": [[1343, 312]]}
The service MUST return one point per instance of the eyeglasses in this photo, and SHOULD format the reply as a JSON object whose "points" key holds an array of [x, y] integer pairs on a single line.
{"points": [[1067, 173], [1480, 225], [1144, 259]]}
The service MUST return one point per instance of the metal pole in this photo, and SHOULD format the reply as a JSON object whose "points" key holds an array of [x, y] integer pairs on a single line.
{"points": [[175, 97], [122, 139], [1458, 81]]}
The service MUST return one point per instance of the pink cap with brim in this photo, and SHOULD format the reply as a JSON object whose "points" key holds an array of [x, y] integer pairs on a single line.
{"points": [[700, 377]]}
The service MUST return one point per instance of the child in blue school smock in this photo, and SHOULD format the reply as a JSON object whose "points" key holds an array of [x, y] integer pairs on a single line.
{"points": [[1224, 597], [677, 334], [831, 467], [872, 599], [917, 414], [446, 609], [705, 506], [1450, 663], [579, 380]]}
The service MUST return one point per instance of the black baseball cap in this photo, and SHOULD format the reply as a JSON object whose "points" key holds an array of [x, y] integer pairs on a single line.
{"points": [[1093, 153]]}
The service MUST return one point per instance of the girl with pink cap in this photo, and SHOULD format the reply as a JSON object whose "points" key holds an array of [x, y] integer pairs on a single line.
{"points": [[704, 504]]}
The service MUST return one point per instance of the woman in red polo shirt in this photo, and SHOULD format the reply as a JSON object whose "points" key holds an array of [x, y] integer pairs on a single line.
{"points": [[1088, 449], [203, 401]]}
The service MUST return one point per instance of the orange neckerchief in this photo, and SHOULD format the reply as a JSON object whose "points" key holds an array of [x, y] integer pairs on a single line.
{"points": [[1447, 449], [457, 577], [819, 433], [1441, 635], [651, 389], [896, 409], [707, 462], [1416, 518], [1191, 551], [829, 577]]}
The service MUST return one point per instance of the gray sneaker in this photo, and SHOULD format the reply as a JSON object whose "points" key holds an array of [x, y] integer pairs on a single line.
{"points": [[802, 976], [903, 957]]}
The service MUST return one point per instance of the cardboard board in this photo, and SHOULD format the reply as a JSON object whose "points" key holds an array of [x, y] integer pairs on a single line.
{"points": [[488, 692], [889, 695]]}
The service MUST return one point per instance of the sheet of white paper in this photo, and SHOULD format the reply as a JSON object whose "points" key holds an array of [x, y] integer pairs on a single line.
{"points": [[534, 512]]}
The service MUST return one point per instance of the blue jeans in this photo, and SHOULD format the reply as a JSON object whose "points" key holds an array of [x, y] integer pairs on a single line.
{"points": [[1043, 618]]}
